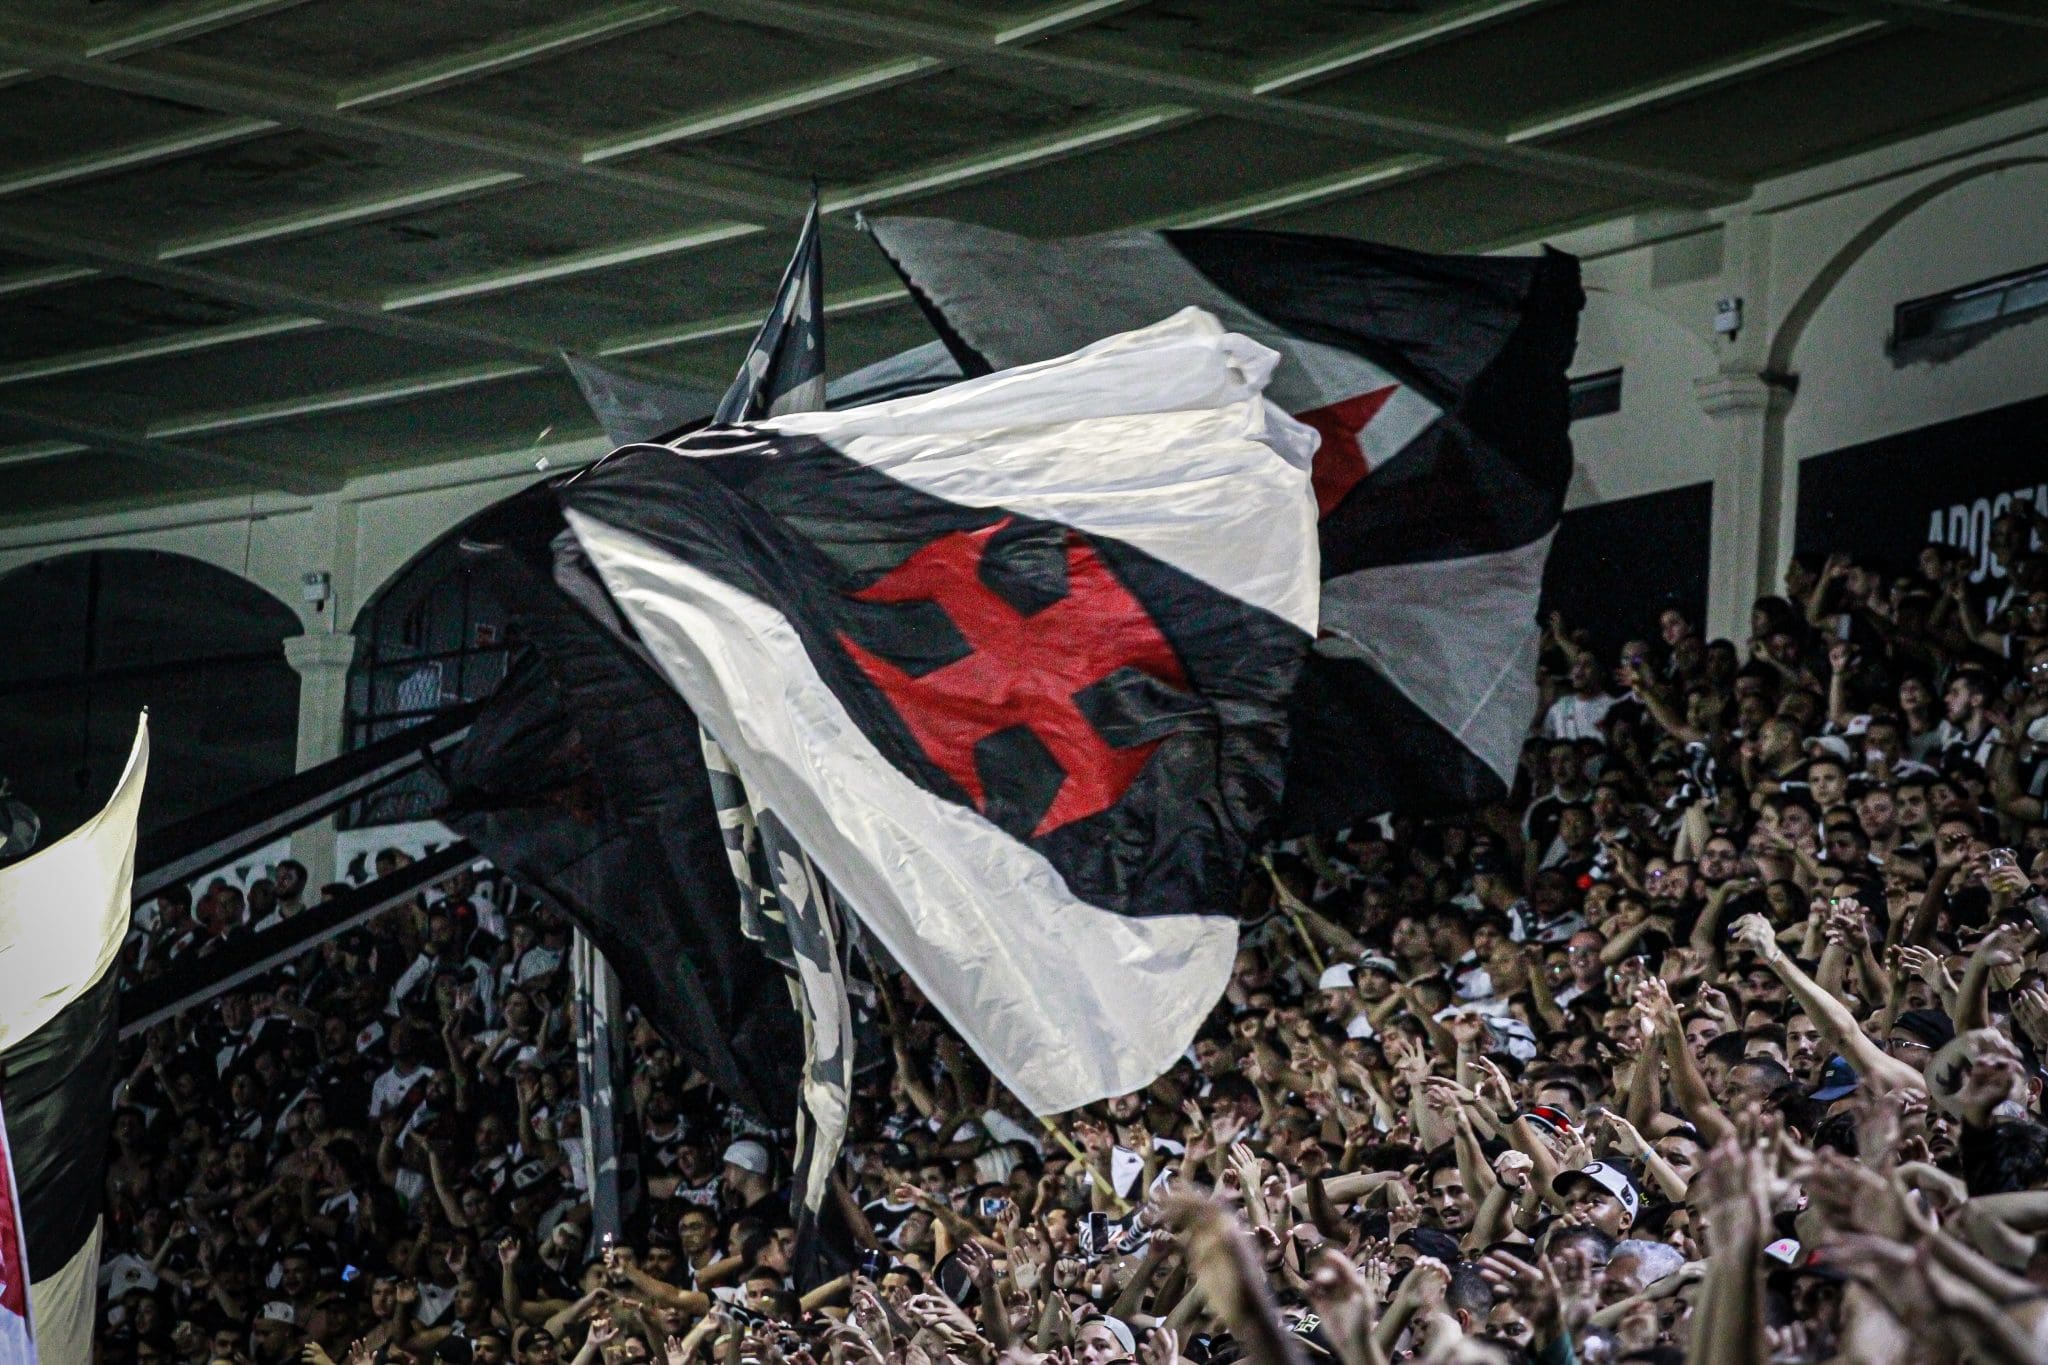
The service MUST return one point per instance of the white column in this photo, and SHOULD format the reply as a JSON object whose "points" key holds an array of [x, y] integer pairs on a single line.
{"points": [[322, 662], [1748, 409]]}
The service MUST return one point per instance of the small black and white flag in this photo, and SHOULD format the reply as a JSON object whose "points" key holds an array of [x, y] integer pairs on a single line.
{"points": [[633, 409], [785, 367], [785, 904], [787, 907]]}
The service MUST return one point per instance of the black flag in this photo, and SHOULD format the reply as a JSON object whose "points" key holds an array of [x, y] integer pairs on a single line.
{"points": [[582, 777], [785, 367]]}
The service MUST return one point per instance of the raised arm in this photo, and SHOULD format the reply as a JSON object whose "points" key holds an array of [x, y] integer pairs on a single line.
{"points": [[1876, 1066], [1688, 1087], [1706, 931], [1998, 948], [2013, 801], [1728, 1319]]}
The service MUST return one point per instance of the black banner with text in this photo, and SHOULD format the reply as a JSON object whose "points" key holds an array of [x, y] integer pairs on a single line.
{"points": [[1940, 484]]}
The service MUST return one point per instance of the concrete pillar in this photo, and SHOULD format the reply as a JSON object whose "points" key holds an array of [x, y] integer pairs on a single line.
{"points": [[1748, 409], [322, 663]]}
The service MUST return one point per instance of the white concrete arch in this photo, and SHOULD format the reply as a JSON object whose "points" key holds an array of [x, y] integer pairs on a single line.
{"points": [[261, 540], [1826, 282], [385, 531], [1971, 223]]}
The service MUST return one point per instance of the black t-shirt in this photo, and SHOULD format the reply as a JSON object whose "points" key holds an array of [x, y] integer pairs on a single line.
{"points": [[539, 1280], [886, 1216], [1544, 816]]}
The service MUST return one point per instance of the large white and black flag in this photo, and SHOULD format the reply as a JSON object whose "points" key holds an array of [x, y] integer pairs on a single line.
{"points": [[1010, 662], [1438, 386], [63, 916]]}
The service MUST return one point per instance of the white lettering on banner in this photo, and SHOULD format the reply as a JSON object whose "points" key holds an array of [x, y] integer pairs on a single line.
{"points": [[1967, 526]]}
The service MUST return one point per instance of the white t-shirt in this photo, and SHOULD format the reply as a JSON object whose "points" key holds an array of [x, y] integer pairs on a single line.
{"points": [[538, 960], [1575, 717], [390, 1088]]}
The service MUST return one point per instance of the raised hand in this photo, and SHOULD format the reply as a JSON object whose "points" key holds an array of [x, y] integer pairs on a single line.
{"points": [[1533, 1287], [2007, 880], [1347, 1297], [1627, 1139], [1732, 1187], [1427, 1282], [1492, 1078], [1974, 1074], [1577, 1281], [1755, 933], [1654, 1000], [2030, 1012], [978, 1264], [2001, 948], [936, 1310], [1440, 1095], [1847, 926], [1923, 964]]}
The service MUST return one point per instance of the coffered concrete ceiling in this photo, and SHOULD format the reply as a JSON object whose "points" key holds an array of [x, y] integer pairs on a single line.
{"points": [[274, 244]]}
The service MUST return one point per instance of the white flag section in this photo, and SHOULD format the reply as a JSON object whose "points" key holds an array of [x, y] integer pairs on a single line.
{"points": [[63, 914], [17, 1344], [1161, 438], [64, 909]]}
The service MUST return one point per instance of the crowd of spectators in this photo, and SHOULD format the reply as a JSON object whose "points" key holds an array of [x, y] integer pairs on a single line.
{"points": [[1720, 1041]]}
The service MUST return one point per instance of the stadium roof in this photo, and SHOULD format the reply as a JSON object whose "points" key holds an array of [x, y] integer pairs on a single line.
{"points": [[275, 244]]}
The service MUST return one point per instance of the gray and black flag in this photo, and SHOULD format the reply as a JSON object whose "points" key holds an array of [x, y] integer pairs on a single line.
{"points": [[784, 371], [785, 904], [631, 409], [787, 907]]}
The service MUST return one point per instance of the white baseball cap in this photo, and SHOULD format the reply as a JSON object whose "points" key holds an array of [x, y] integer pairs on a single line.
{"points": [[749, 1156], [1609, 1178]]}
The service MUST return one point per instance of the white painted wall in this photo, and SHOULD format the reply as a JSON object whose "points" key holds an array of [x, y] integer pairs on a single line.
{"points": [[1819, 259]]}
